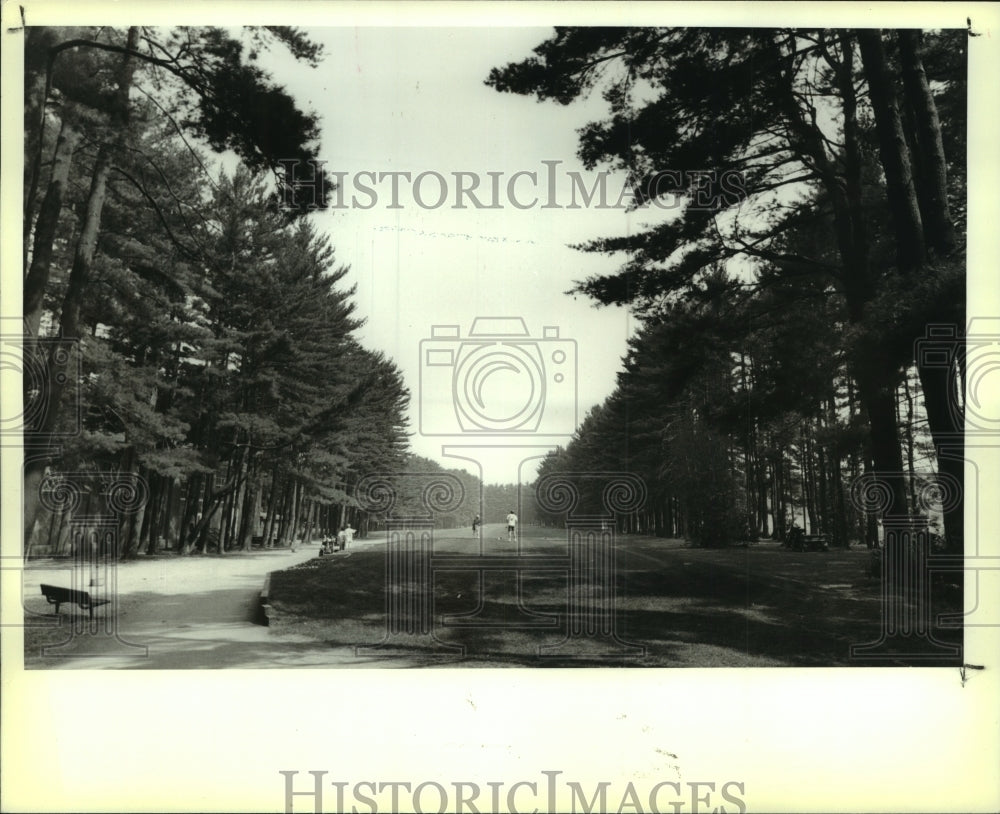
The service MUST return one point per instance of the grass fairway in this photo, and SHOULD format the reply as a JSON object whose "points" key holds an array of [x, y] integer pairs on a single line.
{"points": [[673, 606]]}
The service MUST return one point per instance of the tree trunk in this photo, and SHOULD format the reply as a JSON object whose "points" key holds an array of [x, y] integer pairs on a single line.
{"points": [[225, 522], [822, 506], [310, 522], [900, 190], [37, 278], [131, 523], [251, 512], [932, 168], [55, 383], [36, 100], [190, 510], [239, 497], [777, 506], [869, 527], [166, 515], [149, 516], [812, 479], [841, 526], [148, 538], [213, 501], [287, 503], [878, 394], [236, 514], [272, 505], [911, 472], [227, 504], [172, 520], [55, 523], [200, 531], [291, 527], [192, 538], [938, 383], [946, 423], [944, 416]]}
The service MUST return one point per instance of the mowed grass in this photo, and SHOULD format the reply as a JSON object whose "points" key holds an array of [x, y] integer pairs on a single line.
{"points": [[672, 605]]}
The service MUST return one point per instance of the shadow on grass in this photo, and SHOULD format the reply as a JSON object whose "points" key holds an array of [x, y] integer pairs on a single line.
{"points": [[683, 606]]}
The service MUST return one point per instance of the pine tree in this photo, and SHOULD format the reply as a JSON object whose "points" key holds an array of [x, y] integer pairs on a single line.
{"points": [[755, 102]]}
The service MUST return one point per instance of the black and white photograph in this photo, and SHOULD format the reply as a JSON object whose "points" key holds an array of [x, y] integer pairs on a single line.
{"points": [[500, 407]]}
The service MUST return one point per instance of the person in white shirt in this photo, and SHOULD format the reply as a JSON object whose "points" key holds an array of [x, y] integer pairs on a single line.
{"points": [[348, 533], [511, 525]]}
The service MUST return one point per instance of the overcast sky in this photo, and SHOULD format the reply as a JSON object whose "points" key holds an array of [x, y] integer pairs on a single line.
{"points": [[414, 100]]}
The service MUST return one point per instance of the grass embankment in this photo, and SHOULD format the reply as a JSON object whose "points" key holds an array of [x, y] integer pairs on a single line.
{"points": [[735, 607]]}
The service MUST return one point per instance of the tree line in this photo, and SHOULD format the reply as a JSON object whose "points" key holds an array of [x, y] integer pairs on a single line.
{"points": [[809, 331], [183, 324], [465, 497]]}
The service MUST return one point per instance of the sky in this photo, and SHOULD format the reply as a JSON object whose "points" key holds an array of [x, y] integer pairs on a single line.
{"points": [[398, 100]]}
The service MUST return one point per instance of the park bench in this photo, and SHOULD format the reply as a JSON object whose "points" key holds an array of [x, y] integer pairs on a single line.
{"points": [[797, 540], [812, 542], [57, 596]]}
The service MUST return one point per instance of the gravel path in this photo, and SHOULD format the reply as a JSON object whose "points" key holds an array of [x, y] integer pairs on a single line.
{"points": [[172, 613]]}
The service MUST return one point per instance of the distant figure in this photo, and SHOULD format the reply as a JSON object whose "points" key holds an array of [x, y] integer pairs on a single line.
{"points": [[475, 524], [348, 533], [795, 539], [342, 538], [511, 525]]}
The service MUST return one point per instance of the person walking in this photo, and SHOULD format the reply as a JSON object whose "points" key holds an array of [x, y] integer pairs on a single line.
{"points": [[348, 535], [475, 524], [511, 525]]}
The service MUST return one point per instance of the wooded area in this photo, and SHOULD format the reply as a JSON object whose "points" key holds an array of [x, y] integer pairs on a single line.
{"points": [[207, 322], [185, 326], [791, 336]]}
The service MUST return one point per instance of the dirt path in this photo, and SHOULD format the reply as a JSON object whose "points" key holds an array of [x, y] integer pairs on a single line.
{"points": [[172, 613]]}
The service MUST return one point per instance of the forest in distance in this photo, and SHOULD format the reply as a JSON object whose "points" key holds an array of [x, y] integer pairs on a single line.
{"points": [[188, 328]]}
